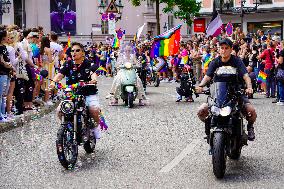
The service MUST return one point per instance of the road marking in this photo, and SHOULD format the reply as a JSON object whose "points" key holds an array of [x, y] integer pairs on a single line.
{"points": [[189, 148], [167, 94]]}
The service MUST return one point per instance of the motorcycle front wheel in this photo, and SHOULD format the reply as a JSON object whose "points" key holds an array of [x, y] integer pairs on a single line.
{"points": [[67, 147], [219, 155]]}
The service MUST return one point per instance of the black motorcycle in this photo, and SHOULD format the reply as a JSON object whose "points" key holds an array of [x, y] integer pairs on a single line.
{"points": [[76, 125], [227, 136], [187, 85]]}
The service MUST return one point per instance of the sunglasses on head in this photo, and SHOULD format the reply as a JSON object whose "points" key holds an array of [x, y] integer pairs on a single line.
{"points": [[75, 50]]}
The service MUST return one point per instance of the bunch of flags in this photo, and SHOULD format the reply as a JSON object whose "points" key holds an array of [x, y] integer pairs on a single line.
{"points": [[166, 44]]}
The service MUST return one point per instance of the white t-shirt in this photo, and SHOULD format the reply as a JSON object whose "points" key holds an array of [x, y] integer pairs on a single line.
{"points": [[55, 49]]}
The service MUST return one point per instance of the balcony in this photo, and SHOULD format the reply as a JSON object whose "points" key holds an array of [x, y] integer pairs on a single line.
{"points": [[262, 2], [224, 6]]}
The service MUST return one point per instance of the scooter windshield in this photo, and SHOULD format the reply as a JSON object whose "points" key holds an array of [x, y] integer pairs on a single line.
{"points": [[220, 94]]}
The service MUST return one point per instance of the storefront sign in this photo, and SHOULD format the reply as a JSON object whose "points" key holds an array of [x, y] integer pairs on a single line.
{"points": [[199, 25]]}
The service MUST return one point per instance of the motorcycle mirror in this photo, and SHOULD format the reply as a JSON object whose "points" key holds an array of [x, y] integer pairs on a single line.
{"points": [[44, 73]]}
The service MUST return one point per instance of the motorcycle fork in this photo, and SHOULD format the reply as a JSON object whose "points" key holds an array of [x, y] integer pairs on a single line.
{"points": [[75, 126]]}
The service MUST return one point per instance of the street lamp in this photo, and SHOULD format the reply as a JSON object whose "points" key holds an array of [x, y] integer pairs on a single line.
{"points": [[119, 7], [5, 6], [102, 6]]}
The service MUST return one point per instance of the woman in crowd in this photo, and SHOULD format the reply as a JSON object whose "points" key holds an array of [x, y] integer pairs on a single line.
{"points": [[6, 72], [47, 61]]}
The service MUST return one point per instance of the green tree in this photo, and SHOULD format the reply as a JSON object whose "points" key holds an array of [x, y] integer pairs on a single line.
{"points": [[183, 9]]}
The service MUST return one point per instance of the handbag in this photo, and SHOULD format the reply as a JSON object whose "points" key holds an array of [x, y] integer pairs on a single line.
{"points": [[280, 75], [21, 71]]}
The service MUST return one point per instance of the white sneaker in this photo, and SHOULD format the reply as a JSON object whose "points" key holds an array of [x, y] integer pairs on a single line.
{"points": [[97, 133], [280, 103]]}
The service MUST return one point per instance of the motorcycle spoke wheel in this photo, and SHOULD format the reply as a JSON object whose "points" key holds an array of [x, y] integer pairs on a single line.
{"points": [[67, 148]]}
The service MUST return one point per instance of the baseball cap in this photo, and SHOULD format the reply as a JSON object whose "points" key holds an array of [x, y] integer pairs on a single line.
{"points": [[227, 42]]}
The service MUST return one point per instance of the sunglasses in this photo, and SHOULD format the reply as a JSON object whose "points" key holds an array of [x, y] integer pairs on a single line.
{"points": [[75, 50]]}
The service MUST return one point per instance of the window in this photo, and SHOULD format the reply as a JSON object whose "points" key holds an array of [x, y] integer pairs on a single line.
{"points": [[224, 5], [150, 4], [104, 27], [263, 1], [170, 21]]}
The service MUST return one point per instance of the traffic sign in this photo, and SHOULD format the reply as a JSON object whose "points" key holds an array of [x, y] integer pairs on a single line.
{"points": [[112, 7]]}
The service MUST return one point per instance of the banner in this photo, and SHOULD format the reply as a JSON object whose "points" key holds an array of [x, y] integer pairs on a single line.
{"points": [[111, 27], [63, 16]]}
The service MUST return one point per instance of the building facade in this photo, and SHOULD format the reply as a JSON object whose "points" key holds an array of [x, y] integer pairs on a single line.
{"points": [[87, 18], [269, 15]]}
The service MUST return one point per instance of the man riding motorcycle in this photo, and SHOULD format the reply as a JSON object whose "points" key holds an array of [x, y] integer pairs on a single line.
{"points": [[80, 69], [226, 59]]}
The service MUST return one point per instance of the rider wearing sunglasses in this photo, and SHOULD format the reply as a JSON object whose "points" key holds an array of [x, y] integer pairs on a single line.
{"points": [[80, 69]]}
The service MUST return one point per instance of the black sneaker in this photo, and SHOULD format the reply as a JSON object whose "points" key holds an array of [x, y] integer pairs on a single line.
{"points": [[251, 135]]}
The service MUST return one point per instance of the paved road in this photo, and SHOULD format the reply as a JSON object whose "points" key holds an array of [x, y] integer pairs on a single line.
{"points": [[156, 146]]}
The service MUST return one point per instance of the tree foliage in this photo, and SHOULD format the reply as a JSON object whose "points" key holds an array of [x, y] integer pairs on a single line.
{"points": [[183, 9]]}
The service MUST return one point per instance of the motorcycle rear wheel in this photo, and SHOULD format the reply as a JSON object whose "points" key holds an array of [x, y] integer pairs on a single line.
{"points": [[219, 155], [67, 147]]}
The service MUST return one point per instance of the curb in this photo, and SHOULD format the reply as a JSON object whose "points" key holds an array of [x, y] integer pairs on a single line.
{"points": [[21, 120]]}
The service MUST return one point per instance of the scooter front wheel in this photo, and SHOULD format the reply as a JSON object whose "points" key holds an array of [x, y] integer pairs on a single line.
{"points": [[130, 100]]}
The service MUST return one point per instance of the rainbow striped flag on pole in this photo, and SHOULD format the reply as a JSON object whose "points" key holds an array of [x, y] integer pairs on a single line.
{"points": [[116, 42], [166, 44], [261, 77], [101, 68], [206, 62]]}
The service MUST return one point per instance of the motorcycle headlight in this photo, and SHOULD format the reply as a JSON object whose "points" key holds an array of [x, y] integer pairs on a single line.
{"points": [[67, 107], [215, 110], [225, 111], [128, 65]]}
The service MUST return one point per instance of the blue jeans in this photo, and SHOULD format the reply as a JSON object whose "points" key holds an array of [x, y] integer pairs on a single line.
{"points": [[270, 84], [4, 87], [281, 91]]}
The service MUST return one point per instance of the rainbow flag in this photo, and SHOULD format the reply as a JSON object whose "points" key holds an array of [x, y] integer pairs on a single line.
{"points": [[261, 77], [101, 69], [166, 44], [116, 42], [206, 62]]}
